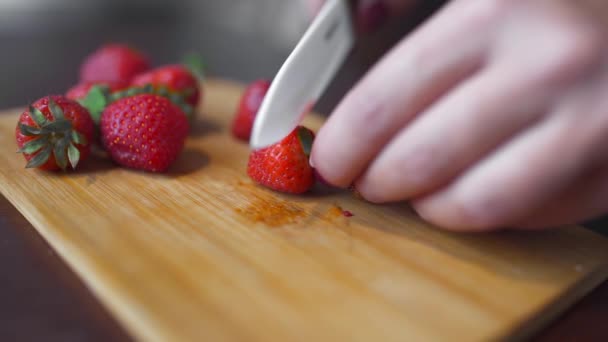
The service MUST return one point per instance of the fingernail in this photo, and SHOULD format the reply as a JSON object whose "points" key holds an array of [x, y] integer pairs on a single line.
{"points": [[371, 15], [310, 162]]}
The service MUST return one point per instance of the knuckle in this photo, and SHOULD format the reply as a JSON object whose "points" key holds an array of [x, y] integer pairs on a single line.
{"points": [[458, 214], [372, 117], [480, 212], [420, 167], [404, 174], [364, 109], [572, 50], [494, 9], [484, 13]]}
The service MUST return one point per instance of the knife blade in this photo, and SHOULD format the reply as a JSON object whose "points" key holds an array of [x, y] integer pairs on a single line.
{"points": [[305, 74]]}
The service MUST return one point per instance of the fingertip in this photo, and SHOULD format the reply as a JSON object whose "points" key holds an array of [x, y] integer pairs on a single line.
{"points": [[326, 170], [452, 216], [378, 188], [368, 192]]}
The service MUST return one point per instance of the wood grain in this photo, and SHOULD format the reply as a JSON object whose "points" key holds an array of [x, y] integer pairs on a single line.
{"points": [[201, 252]]}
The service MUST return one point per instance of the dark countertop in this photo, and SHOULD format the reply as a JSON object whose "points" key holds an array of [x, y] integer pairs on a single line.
{"points": [[41, 298]]}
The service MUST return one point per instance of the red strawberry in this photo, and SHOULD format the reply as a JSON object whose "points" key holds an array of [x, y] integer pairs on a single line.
{"points": [[53, 132], [145, 132], [248, 108], [113, 63], [284, 166], [81, 90], [176, 78]]}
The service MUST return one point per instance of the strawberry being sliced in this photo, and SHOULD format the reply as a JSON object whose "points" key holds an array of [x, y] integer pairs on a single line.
{"points": [[113, 63], [54, 133], [248, 108], [176, 79], [144, 132], [285, 166]]}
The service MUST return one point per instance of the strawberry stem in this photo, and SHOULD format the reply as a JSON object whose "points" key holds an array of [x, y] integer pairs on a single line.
{"points": [[195, 64], [99, 97], [54, 136]]}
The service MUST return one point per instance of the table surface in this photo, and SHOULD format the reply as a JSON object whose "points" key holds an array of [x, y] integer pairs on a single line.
{"points": [[41, 297]]}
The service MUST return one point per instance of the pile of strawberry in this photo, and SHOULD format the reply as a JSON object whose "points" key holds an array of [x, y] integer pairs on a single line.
{"points": [[141, 118], [138, 115]]}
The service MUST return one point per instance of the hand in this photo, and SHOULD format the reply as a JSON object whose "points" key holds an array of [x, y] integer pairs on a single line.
{"points": [[494, 113]]}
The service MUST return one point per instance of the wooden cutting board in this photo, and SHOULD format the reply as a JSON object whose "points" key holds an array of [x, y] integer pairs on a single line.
{"points": [[203, 254]]}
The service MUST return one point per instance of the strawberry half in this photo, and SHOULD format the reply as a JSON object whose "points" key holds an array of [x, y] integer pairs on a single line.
{"points": [[248, 108], [54, 132], [285, 166]]}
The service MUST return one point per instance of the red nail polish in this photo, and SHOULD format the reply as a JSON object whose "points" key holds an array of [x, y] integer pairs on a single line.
{"points": [[371, 15]]}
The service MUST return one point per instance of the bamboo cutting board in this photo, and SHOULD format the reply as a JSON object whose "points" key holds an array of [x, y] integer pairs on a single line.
{"points": [[203, 254]]}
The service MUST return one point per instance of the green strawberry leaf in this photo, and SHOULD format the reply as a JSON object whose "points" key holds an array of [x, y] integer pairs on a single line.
{"points": [[78, 138], [306, 138], [60, 152], [162, 91], [40, 158], [73, 155], [148, 88], [194, 62], [37, 116], [29, 130], [188, 92], [56, 111], [33, 146], [96, 101], [59, 125], [177, 98]]}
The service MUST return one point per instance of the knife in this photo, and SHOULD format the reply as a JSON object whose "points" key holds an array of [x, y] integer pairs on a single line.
{"points": [[305, 74]]}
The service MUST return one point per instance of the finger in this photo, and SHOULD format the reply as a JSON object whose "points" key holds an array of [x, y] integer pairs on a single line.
{"points": [[584, 200], [414, 74], [519, 178], [460, 129]]}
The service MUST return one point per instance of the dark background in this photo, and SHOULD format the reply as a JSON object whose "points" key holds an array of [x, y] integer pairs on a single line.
{"points": [[42, 44]]}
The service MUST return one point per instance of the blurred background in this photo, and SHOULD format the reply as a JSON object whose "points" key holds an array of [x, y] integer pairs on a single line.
{"points": [[44, 41]]}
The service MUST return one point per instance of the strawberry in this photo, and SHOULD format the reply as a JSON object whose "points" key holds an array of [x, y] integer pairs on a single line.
{"points": [[248, 108], [145, 132], [53, 132], [284, 166], [113, 63], [176, 79], [81, 90]]}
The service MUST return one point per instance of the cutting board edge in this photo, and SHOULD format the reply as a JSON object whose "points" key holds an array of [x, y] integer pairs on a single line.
{"points": [[552, 312], [96, 284]]}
